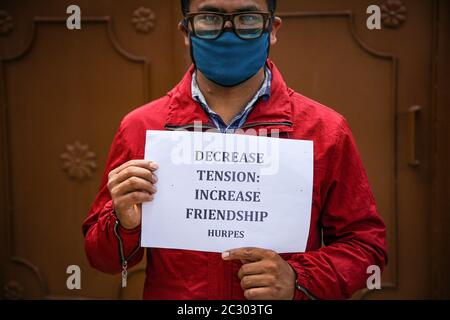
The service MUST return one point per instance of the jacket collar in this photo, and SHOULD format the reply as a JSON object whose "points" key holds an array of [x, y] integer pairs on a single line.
{"points": [[273, 113]]}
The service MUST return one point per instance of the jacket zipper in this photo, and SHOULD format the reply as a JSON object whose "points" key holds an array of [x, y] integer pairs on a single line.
{"points": [[305, 292], [123, 260], [251, 125], [188, 126], [256, 124]]}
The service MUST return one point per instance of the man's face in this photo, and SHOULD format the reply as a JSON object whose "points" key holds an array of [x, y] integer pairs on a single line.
{"points": [[231, 6]]}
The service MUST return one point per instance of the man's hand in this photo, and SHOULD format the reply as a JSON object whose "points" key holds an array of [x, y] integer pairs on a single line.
{"points": [[264, 275], [130, 185]]}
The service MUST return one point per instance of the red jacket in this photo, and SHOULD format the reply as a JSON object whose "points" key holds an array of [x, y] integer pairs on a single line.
{"points": [[343, 208]]}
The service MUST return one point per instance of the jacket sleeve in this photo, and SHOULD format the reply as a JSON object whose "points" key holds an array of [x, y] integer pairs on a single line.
{"points": [[354, 235], [101, 234]]}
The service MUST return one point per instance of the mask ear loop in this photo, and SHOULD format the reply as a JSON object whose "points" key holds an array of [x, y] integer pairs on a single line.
{"points": [[272, 17], [191, 46], [269, 30], [191, 49], [185, 24]]}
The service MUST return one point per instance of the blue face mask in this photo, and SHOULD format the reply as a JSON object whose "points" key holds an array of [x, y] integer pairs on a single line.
{"points": [[229, 60]]}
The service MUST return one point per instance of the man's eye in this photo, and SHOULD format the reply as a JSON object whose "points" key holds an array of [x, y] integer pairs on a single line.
{"points": [[249, 19], [210, 19]]}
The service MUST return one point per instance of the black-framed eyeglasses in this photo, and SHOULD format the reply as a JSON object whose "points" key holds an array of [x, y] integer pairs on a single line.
{"points": [[211, 25]]}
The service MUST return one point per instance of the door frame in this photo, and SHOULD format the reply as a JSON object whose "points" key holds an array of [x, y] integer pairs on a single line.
{"points": [[440, 157]]}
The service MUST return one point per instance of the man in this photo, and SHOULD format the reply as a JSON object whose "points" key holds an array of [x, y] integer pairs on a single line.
{"points": [[231, 86]]}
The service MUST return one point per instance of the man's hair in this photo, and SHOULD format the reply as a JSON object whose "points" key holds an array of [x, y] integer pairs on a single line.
{"points": [[185, 6]]}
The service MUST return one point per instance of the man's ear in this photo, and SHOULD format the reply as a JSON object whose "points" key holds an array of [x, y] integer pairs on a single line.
{"points": [[276, 25], [184, 31]]}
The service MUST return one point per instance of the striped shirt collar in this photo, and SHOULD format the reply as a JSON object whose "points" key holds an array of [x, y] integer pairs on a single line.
{"points": [[240, 119]]}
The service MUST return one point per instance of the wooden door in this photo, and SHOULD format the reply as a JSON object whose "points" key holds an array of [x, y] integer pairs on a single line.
{"points": [[64, 92], [375, 78]]}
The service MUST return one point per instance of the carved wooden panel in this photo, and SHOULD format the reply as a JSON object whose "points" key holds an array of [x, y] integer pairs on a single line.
{"points": [[78, 161], [65, 87], [63, 94], [6, 23], [394, 13]]}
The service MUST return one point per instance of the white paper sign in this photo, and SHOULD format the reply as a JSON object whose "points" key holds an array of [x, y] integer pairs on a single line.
{"points": [[223, 191]]}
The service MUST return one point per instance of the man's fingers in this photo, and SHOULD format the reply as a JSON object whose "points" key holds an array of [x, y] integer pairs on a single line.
{"points": [[129, 172], [248, 254], [253, 268], [258, 294], [137, 197], [257, 281], [131, 185], [135, 163]]}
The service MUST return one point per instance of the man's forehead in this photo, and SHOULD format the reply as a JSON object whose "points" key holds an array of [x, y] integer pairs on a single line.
{"points": [[229, 5]]}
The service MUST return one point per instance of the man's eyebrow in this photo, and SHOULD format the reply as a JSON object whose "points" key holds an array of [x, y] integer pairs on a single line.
{"points": [[248, 9], [209, 8], [215, 9]]}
